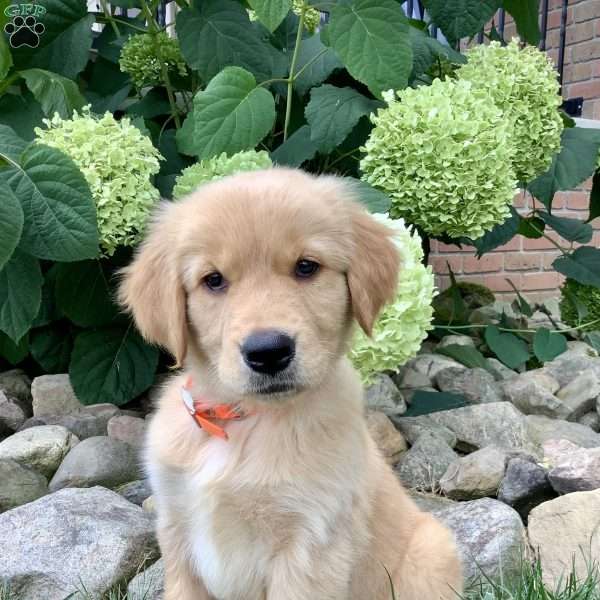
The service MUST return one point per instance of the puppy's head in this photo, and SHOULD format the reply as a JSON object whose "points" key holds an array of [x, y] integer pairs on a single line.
{"points": [[254, 280]]}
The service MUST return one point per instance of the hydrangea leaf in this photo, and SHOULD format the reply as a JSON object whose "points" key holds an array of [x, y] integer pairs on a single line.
{"points": [[319, 60], [594, 209], [426, 50], [548, 345], [11, 145], [83, 294], [66, 42], [111, 363], [108, 87], [21, 113], [298, 148], [574, 164], [510, 349], [271, 12], [153, 104], [55, 93], [231, 114], [51, 348], [573, 230], [20, 294], [371, 38], [217, 34], [468, 356], [49, 311], [333, 112], [461, 18], [526, 16], [582, 265], [6, 61], [60, 217], [425, 403], [11, 222], [13, 353], [374, 200], [499, 235]]}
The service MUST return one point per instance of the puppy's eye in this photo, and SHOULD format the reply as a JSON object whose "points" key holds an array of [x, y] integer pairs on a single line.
{"points": [[306, 268], [215, 282]]}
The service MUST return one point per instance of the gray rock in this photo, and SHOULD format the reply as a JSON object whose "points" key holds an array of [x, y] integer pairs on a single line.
{"points": [[542, 429], [456, 340], [431, 503], [149, 584], [432, 364], [501, 369], [525, 485], [130, 430], [410, 379], [73, 539], [479, 425], [19, 485], [17, 386], [579, 348], [476, 475], [388, 439], [103, 410], [12, 415], [569, 365], [53, 395], [490, 537], [576, 471], [413, 427], [579, 396], [383, 395], [424, 464], [135, 491], [39, 448], [531, 397], [557, 450], [476, 385], [97, 461], [591, 420], [81, 424], [542, 378]]}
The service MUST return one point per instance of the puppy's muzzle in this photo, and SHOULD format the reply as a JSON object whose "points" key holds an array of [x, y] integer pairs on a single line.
{"points": [[269, 351]]}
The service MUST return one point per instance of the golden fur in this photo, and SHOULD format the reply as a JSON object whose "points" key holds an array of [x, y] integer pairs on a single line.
{"points": [[298, 504]]}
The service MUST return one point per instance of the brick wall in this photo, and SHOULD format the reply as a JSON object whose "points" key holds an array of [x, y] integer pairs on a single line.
{"points": [[527, 263]]}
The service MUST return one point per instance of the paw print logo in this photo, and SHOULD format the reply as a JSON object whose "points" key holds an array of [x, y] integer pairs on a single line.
{"points": [[24, 31]]}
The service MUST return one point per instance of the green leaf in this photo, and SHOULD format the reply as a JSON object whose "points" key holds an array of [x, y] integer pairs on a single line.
{"points": [[425, 403], [11, 145], [548, 345], [526, 16], [49, 311], [11, 222], [572, 230], [499, 235], [468, 356], [583, 265], [461, 18], [66, 42], [271, 12], [520, 304], [333, 112], [511, 350], [108, 86], [595, 197], [321, 62], [111, 364], [231, 114], [371, 37], [126, 3], [374, 200], [153, 104], [572, 165], [51, 347], [531, 227], [460, 310], [21, 113], [54, 92], [297, 149], [217, 34], [593, 339], [6, 60], [83, 294], [13, 353], [20, 294], [60, 215], [426, 50]]}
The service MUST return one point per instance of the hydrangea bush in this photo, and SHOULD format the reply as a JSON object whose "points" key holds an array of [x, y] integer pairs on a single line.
{"points": [[118, 163], [523, 83], [443, 155], [404, 323]]}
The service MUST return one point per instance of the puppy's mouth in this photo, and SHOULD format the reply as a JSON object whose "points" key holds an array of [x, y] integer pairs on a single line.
{"points": [[271, 387]]}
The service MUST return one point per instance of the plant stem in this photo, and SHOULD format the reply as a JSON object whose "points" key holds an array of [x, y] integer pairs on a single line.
{"points": [[110, 18], [290, 81], [8, 82], [114, 20], [568, 330], [309, 63], [544, 234], [10, 161]]}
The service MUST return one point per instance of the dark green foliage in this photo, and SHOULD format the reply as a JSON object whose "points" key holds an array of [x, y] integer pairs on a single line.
{"points": [[473, 296], [580, 304]]}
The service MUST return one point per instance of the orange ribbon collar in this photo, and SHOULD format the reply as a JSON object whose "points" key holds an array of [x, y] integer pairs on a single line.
{"points": [[205, 414]]}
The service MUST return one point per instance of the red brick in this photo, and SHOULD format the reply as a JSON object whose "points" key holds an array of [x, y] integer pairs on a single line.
{"points": [[586, 11], [541, 243], [577, 200], [577, 72], [488, 263], [586, 51], [580, 32], [558, 202], [548, 258], [522, 261], [499, 283], [541, 281], [439, 264], [587, 89], [443, 248], [554, 17]]}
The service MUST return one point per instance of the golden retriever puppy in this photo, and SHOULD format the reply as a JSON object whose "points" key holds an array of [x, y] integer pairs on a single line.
{"points": [[269, 486]]}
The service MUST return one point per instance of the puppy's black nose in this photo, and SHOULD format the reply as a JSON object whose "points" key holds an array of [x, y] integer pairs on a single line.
{"points": [[268, 351]]}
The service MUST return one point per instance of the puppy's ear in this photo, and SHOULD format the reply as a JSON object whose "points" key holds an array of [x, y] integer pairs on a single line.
{"points": [[373, 272], [152, 291]]}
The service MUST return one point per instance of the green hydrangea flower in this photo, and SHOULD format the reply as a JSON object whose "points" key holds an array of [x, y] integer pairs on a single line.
{"points": [[523, 84], [443, 155], [588, 296], [403, 324], [143, 55], [217, 167], [312, 17], [117, 161]]}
